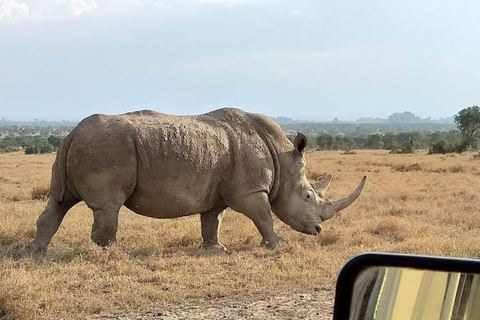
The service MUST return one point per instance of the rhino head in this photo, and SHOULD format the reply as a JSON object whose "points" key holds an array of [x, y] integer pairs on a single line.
{"points": [[301, 204]]}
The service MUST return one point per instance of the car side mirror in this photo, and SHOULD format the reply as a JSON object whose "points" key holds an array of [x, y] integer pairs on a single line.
{"points": [[408, 287]]}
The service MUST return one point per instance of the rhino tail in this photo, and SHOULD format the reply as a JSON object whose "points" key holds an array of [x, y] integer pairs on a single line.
{"points": [[59, 172]]}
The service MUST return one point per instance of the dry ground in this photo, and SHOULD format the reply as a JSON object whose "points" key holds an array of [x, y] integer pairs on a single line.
{"points": [[425, 204]]}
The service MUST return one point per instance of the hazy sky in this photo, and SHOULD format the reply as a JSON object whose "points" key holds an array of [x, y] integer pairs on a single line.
{"points": [[315, 60]]}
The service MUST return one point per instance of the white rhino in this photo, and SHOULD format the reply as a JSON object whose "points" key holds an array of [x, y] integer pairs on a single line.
{"points": [[166, 166]]}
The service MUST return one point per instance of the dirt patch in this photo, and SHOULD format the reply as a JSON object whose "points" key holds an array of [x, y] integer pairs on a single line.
{"points": [[315, 304]]}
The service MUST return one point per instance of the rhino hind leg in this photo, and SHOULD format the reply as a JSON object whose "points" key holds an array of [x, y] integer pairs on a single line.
{"points": [[105, 224], [50, 220], [211, 221]]}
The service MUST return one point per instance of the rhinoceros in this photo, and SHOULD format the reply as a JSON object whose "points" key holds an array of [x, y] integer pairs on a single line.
{"points": [[166, 166]]}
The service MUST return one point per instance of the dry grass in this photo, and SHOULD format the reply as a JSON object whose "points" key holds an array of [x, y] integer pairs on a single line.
{"points": [[425, 204], [40, 192]]}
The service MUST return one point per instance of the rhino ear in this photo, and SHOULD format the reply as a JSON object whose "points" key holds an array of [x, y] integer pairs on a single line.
{"points": [[300, 142]]}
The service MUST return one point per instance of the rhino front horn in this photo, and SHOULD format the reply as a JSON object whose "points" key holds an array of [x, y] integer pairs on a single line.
{"points": [[337, 205]]}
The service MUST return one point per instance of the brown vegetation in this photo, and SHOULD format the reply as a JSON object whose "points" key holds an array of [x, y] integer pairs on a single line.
{"points": [[413, 203]]}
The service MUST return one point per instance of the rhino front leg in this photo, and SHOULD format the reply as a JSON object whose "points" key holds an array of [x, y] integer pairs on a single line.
{"points": [[49, 221], [211, 221], [257, 207], [104, 228]]}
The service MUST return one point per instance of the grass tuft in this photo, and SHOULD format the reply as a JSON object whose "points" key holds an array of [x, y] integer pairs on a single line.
{"points": [[40, 192], [408, 167], [457, 169]]}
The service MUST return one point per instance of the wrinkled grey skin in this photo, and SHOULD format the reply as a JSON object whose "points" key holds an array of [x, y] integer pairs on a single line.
{"points": [[165, 166]]}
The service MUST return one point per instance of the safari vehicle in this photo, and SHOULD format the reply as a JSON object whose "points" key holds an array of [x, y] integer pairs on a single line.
{"points": [[380, 286]]}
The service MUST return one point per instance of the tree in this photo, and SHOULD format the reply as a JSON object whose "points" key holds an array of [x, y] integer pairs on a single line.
{"points": [[360, 141], [325, 141], [348, 144], [31, 150], [389, 141], [338, 143], [55, 141], [374, 141], [47, 148], [468, 122]]}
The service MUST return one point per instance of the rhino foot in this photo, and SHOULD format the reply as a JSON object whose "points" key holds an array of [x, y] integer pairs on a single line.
{"points": [[36, 248], [213, 248], [104, 243], [272, 243]]}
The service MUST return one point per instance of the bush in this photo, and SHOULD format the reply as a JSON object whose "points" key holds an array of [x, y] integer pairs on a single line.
{"points": [[439, 148], [55, 141], [39, 149], [46, 148], [10, 149], [31, 150], [408, 147], [443, 147]]}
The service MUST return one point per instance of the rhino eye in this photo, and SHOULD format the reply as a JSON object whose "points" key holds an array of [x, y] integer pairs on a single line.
{"points": [[309, 195]]}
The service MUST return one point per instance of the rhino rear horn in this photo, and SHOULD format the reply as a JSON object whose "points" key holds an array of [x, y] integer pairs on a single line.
{"points": [[337, 205], [322, 186]]}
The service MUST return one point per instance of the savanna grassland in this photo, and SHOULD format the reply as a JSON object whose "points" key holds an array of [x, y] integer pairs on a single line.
{"points": [[415, 203]]}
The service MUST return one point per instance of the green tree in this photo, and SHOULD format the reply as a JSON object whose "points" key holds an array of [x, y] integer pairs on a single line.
{"points": [[468, 122], [30, 150], [409, 147], [349, 143], [55, 141], [338, 144], [325, 141], [449, 143], [389, 141], [374, 141], [360, 141], [47, 148]]}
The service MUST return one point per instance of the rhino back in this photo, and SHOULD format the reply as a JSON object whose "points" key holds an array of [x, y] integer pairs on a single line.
{"points": [[169, 166], [181, 162]]}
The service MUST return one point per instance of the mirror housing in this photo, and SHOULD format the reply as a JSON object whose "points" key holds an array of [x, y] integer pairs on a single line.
{"points": [[395, 286]]}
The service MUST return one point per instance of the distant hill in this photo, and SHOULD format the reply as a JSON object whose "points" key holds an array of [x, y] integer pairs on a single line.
{"points": [[353, 129], [37, 123], [404, 118], [397, 122]]}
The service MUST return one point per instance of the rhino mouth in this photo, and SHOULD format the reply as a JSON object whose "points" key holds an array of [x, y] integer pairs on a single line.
{"points": [[314, 231], [311, 229]]}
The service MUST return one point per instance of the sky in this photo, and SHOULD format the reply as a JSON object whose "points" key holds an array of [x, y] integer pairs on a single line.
{"points": [[308, 60]]}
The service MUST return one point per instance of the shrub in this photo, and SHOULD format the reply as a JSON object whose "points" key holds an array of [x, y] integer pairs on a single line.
{"points": [[39, 148], [31, 150], [443, 147], [9, 149]]}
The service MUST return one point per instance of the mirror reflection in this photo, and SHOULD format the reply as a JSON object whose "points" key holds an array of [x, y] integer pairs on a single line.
{"points": [[393, 293]]}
